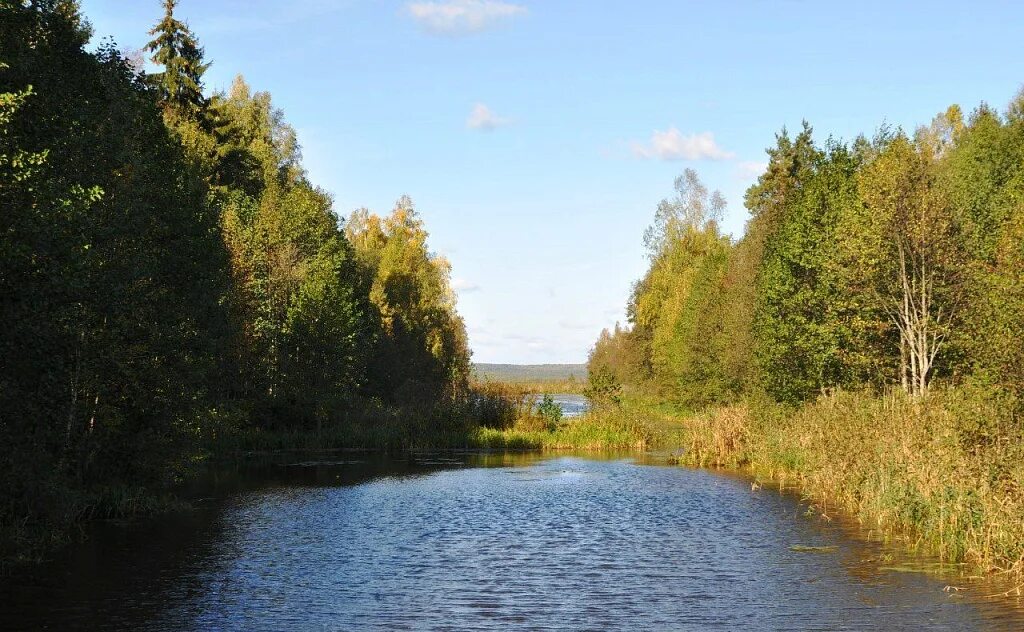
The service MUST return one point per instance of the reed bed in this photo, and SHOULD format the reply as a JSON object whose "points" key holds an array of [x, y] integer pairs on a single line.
{"points": [[947, 470]]}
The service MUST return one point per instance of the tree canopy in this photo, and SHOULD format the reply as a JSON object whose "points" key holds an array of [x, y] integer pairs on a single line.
{"points": [[884, 262], [169, 275]]}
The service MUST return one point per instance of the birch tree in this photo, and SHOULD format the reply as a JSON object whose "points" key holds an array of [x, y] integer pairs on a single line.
{"points": [[906, 240]]}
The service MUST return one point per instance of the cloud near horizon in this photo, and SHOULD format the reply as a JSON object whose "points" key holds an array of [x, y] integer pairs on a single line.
{"points": [[462, 17], [674, 145], [578, 325], [462, 285], [484, 119]]}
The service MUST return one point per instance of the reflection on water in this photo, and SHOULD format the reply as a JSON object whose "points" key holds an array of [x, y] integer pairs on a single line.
{"points": [[485, 542]]}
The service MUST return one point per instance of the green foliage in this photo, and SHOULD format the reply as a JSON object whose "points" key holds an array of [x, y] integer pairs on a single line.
{"points": [[669, 306], [112, 276], [603, 387], [623, 353], [550, 412], [180, 83], [421, 350], [893, 261], [982, 176], [812, 334], [170, 279], [303, 315], [683, 341]]}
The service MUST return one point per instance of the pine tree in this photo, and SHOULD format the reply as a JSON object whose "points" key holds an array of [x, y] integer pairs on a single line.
{"points": [[176, 49]]}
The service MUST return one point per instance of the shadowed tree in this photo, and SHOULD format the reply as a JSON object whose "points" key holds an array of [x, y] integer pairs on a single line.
{"points": [[111, 275]]}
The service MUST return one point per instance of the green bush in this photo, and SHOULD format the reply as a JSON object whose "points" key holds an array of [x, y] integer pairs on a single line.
{"points": [[550, 412]]}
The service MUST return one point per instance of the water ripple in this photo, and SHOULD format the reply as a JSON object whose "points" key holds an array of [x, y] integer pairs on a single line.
{"points": [[563, 544]]}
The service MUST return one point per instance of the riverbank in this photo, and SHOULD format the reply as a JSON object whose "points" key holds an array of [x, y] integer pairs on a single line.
{"points": [[517, 428], [555, 540], [947, 471]]}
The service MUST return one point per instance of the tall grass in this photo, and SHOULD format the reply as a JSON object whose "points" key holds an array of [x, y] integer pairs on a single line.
{"points": [[534, 386], [948, 469], [592, 432]]}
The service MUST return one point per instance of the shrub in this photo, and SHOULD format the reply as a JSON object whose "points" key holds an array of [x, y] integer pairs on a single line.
{"points": [[550, 412]]}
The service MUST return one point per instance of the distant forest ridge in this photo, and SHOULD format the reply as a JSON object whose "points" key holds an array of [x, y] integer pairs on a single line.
{"points": [[529, 372]]}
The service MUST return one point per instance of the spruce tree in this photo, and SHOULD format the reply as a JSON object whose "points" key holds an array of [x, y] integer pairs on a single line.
{"points": [[176, 48]]}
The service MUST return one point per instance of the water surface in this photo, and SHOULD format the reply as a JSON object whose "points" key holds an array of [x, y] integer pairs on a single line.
{"points": [[572, 405], [485, 542]]}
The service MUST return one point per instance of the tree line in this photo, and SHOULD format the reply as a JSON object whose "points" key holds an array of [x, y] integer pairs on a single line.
{"points": [[889, 262], [168, 273]]}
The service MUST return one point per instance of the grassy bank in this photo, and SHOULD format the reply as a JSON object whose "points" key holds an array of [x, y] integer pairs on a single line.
{"points": [[948, 470], [599, 430], [512, 425]]}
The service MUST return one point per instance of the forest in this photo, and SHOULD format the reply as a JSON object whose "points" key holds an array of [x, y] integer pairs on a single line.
{"points": [[862, 338], [171, 281], [889, 262]]}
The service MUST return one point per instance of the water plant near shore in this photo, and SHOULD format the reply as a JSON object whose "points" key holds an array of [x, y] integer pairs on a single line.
{"points": [[947, 470]]}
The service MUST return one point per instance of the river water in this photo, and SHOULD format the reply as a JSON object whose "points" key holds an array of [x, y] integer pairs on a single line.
{"points": [[572, 405], [485, 542]]}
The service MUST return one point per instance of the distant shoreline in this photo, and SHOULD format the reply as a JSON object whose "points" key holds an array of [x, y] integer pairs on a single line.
{"points": [[520, 373]]}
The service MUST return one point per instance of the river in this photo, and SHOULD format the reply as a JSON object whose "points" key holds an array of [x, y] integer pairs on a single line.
{"points": [[485, 542]]}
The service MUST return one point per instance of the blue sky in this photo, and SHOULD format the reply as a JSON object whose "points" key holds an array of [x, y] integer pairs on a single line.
{"points": [[536, 137]]}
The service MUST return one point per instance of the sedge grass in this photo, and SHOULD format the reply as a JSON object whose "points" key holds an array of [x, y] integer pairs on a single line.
{"points": [[947, 471]]}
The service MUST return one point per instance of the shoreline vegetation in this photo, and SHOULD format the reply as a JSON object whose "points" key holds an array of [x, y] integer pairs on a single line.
{"points": [[861, 340], [939, 471], [175, 290], [944, 471]]}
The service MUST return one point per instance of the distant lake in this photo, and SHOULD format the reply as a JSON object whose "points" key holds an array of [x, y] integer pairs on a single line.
{"points": [[484, 542], [571, 405]]}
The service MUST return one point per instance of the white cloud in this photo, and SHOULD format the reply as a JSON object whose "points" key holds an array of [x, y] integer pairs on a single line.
{"points": [[750, 169], [462, 285], [576, 325], [674, 145], [485, 120], [460, 17]]}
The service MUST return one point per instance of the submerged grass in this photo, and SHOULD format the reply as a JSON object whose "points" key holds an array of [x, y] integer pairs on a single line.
{"points": [[804, 548]]}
